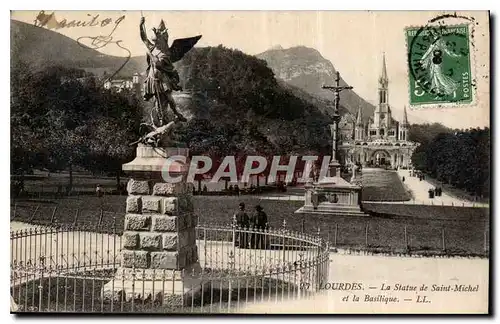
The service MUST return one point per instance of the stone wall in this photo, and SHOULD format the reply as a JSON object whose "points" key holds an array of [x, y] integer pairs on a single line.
{"points": [[159, 226]]}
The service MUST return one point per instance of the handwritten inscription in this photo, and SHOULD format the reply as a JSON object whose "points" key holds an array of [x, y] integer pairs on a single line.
{"points": [[50, 21], [94, 42]]}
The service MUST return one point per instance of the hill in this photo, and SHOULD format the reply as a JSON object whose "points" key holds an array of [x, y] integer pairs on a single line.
{"points": [[249, 110], [307, 69], [239, 106], [39, 47]]}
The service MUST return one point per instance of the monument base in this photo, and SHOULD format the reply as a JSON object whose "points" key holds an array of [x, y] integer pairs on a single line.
{"points": [[333, 196], [174, 288], [332, 209], [150, 162], [159, 258]]}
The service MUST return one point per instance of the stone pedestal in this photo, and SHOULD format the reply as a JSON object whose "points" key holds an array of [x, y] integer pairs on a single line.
{"points": [[159, 251], [334, 196]]}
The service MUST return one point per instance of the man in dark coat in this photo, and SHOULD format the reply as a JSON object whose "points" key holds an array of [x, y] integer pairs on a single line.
{"points": [[259, 223], [242, 222]]}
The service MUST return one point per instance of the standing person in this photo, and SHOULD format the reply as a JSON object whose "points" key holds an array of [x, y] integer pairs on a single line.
{"points": [[242, 222], [259, 223], [98, 191]]}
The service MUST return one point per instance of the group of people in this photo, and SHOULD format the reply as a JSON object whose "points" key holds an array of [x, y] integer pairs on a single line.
{"points": [[418, 174], [201, 191], [234, 190], [257, 221], [436, 192]]}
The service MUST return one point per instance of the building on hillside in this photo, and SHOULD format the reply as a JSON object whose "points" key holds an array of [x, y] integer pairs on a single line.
{"points": [[118, 85], [382, 141]]}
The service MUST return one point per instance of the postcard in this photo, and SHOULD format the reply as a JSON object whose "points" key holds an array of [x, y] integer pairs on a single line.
{"points": [[250, 162]]}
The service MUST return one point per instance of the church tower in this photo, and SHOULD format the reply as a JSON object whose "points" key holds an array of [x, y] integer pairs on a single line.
{"points": [[403, 129], [382, 115], [135, 78], [137, 85], [359, 127]]}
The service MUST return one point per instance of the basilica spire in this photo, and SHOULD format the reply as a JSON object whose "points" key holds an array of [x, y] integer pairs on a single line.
{"points": [[383, 91], [405, 117], [359, 117], [383, 75]]}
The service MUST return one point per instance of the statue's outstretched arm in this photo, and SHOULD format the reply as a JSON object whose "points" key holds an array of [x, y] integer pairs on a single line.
{"points": [[144, 36]]}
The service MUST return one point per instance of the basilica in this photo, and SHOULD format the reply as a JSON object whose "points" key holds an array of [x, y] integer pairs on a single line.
{"points": [[381, 141]]}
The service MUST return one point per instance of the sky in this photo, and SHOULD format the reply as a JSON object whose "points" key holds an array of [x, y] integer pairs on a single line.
{"points": [[353, 41]]}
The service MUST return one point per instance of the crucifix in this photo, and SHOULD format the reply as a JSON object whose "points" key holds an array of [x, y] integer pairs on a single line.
{"points": [[336, 89]]}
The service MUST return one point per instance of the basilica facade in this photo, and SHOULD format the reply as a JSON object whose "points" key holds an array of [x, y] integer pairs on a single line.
{"points": [[382, 141]]}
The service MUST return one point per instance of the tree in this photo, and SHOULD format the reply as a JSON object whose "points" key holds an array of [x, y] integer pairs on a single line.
{"points": [[461, 159], [62, 118]]}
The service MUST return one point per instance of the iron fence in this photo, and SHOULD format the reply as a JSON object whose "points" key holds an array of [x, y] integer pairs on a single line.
{"points": [[76, 268], [421, 230]]}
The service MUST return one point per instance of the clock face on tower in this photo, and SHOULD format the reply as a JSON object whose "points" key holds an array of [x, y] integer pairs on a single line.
{"points": [[382, 116]]}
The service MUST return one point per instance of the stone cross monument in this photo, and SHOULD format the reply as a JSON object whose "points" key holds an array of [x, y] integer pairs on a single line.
{"points": [[333, 195], [335, 164]]}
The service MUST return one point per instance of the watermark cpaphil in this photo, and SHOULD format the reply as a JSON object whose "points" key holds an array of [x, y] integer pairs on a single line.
{"points": [[253, 165]]}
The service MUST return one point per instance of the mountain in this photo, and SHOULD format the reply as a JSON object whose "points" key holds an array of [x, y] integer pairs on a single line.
{"points": [[40, 47], [247, 108], [237, 106], [325, 106], [305, 68]]}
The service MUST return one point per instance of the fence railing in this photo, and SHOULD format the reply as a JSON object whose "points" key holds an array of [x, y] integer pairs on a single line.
{"points": [[420, 231], [77, 269]]}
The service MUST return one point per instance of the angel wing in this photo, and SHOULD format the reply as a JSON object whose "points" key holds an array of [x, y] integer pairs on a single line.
{"points": [[182, 46]]}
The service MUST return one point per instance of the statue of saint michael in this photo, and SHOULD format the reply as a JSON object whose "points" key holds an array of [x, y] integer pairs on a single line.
{"points": [[161, 77]]}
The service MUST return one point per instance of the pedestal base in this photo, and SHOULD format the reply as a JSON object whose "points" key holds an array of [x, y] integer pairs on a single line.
{"points": [[168, 287], [333, 196], [332, 209]]}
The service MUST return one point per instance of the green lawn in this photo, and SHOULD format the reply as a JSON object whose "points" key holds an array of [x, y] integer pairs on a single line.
{"points": [[464, 228]]}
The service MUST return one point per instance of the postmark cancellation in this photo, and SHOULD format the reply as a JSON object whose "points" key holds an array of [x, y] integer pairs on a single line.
{"points": [[440, 65]]}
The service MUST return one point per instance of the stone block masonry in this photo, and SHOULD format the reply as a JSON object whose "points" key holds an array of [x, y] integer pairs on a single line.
{"points": [[159, 226], [135, 259], [159, 250]]}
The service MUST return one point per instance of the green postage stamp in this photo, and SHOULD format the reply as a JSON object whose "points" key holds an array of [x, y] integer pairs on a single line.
{"points": [[439, 65]]}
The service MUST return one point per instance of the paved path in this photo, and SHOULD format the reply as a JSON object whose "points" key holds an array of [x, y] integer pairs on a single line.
{"points": [[421, 195], [419, 191]]}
